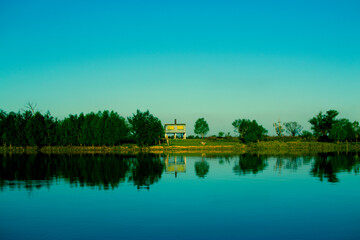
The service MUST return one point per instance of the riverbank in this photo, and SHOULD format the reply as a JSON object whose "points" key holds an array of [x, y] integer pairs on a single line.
{"points": [[195, 146]]}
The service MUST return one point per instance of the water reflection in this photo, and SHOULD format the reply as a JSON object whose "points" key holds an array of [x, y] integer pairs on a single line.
{"points": [[201, 168], [103, 171], [175, 164], [110, 171], [146, 170], [250, 163], [328, 165]]}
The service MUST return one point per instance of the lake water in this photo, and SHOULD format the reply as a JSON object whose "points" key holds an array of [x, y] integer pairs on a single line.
{"points": [[179, 197]]}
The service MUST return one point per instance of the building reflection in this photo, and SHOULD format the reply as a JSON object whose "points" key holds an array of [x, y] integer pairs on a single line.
{"points": [[175, 164]]}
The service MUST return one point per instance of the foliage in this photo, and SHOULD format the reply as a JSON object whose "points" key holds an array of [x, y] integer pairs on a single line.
{"points": [[249, 131], [293, 128], [342, 131], [221, 134], [357, 130], [28, 129], [279, 129], [201, 127], [322, 124], [307, 135], [145, 128]]}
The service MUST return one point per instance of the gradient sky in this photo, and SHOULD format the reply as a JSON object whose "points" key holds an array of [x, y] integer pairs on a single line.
{"points": [[222, 60]]}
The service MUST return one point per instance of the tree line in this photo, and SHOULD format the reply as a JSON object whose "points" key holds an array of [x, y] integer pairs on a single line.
{"points": [[326, 127], [105, 128], [31, 128]]}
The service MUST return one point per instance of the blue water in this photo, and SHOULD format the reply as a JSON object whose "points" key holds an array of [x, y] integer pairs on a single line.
{"points": [[209, 197]]}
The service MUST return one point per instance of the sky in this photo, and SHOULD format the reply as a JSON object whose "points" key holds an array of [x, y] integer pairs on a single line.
{"points": [[221, 60]]}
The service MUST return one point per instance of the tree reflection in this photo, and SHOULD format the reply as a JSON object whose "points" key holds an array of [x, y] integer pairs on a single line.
{"points": [[201, 169], [146, 170], [103, 171], [328, 165], [250, 163]]}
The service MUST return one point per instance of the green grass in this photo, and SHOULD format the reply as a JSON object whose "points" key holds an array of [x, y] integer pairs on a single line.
{"points": [[207, 141]]}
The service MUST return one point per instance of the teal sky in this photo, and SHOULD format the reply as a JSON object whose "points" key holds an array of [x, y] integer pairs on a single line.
{"points": [[222, 60]]}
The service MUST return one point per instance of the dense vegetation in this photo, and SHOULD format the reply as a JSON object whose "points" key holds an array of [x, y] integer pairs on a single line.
{"points": [[249, 131], [32, 128], [93, 129]]}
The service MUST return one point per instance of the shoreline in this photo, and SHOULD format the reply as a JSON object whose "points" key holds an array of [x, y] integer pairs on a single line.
{"points": [[273, 147]]}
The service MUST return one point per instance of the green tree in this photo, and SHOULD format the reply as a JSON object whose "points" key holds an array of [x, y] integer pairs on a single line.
{"points": [[249, 131], [69, 131], [357, 130], [322, 124], [2, 126], [293, 128], [221, 134], [201, 127], [145, 128], [36, 130], [342, 130], [307, 135]]}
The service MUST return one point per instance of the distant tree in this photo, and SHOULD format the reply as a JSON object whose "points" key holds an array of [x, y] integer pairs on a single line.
{"points": [[9, 129], [51, 129], [249, 131], [69, 131], [293, 128], [342, 130], [36, 130], [356, 129], [322, 124], [306, 134], [221, 134], [87, 136], [145, 128], [201, 127], [31, 107], [2, 126], [201, 169], [279, 129]]}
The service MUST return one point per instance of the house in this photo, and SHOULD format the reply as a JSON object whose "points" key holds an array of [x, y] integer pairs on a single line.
{"points": [[175, 130]]}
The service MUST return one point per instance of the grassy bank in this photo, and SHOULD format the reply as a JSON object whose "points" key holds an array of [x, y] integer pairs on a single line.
{"points": [[231, 146]]}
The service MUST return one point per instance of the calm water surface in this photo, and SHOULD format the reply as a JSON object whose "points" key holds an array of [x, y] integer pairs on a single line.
{"points": [[179, 197]]}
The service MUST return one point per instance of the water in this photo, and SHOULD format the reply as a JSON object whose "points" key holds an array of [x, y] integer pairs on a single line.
{"points": [[179, 197]]}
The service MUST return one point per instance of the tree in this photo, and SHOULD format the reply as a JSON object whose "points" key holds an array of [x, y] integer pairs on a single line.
{"points": [[342, 130], [322, 124], [201, 127], [145, 128], [293, 128], [249, 131], [356, 129], [306, 134], [279, 129], [36, 130], [221, 134]]}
